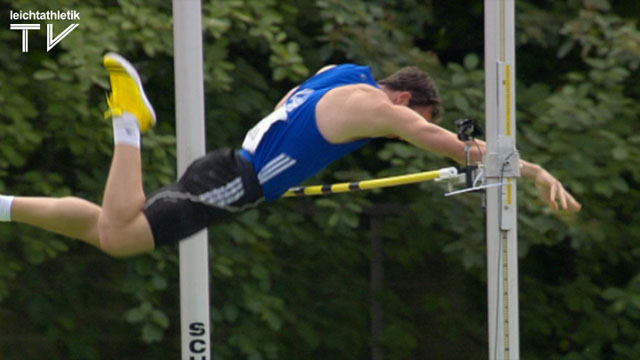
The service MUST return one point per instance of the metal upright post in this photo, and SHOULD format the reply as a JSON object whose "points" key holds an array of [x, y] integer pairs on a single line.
{"points": [[189, 91], [501, 166], [375, 286]]}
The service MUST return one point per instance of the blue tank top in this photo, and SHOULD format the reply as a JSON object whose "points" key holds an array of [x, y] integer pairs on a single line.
{"points": [[286, 147]]}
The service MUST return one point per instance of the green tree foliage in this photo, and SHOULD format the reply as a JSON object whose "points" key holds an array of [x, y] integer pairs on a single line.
{"points": [[290, 280]]}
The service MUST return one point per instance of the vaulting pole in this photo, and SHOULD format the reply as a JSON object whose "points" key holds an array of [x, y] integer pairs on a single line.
{"points": [[194, 267], [501, 164]]}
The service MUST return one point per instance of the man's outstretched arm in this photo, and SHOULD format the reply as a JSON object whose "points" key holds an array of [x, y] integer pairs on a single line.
{"points": [[548, 186], [400, 121]]}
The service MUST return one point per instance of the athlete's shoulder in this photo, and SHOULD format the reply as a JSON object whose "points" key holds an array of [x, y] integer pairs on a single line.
{"points": [[364, 91], [341, 67], [328, 67]]}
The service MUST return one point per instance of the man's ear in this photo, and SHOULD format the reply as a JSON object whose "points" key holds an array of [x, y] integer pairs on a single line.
{"points": [[404, 97]]}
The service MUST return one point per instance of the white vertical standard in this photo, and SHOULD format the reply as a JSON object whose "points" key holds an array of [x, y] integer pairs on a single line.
{"points": [[194, 261], [501, 166]]}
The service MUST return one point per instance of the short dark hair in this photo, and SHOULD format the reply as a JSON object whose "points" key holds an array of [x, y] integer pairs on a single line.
{"points": [[422, 88]]}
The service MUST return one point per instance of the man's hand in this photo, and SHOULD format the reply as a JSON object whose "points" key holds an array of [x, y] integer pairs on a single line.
{"points": [[551, 190]]}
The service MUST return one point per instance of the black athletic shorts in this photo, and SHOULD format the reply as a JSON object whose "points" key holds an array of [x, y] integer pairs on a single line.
{"points": [[212, 189]]}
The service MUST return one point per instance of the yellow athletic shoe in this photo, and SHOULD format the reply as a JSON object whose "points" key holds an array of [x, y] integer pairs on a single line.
{"points": [[127, 94]]}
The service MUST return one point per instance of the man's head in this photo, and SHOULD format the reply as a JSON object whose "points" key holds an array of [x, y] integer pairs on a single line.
{"points": [[414, 88]]}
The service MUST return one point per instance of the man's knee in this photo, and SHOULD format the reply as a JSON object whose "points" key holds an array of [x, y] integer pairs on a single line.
{"points": [[124, 239], [111, 239]]}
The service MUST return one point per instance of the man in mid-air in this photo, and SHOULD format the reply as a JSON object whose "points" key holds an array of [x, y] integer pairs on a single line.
{"points": [[334, 112]]}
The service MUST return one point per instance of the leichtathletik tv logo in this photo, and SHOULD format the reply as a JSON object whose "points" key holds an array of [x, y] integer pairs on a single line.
{"points": [[32, 21]]}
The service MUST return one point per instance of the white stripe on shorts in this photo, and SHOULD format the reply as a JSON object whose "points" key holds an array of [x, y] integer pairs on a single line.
{"points": [[219, 197]]}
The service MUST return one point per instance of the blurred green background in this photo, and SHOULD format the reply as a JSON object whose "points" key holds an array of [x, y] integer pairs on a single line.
{"points": [[291, 280]]}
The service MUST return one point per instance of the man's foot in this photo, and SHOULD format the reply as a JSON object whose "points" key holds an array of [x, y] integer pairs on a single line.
{"points": [[127, 94]]}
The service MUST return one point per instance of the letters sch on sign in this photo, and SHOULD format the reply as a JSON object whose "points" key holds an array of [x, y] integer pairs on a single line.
{"points": [[42, 15], [198, 342]]}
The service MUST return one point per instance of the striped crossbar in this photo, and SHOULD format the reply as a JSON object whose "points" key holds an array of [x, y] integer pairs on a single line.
{"points": [[441, 174]]}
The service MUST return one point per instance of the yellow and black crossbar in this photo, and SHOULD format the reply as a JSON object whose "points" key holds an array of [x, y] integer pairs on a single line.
{"points": [[441, 174]]}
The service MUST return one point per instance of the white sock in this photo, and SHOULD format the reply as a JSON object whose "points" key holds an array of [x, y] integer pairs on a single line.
{"points": [[125, 130], [5, 207]]}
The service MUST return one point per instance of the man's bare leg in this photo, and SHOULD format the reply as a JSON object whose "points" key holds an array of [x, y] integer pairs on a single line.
{"points": [[123, 229], [119, 228], [69, 216]]}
